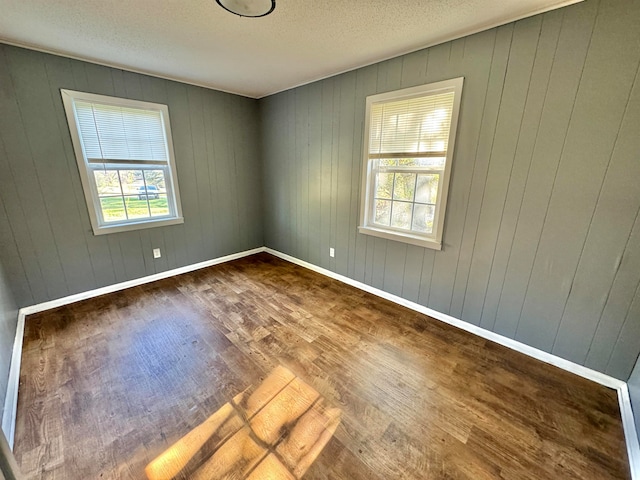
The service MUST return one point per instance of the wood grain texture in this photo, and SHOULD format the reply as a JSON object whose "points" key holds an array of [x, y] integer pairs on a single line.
{"points": [[109, 384], [273, 430], [540, 236]]}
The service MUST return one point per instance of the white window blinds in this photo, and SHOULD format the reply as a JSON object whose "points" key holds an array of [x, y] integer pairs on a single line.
{"points": [[116, 134], [414, 128]]}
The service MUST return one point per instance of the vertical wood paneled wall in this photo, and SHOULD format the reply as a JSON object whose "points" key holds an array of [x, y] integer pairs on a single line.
{"points": [[542, 237], [8, 321], [46, 242]]}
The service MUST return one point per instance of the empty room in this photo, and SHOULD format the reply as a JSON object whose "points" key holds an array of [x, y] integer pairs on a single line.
{"points": [[278, 239]]}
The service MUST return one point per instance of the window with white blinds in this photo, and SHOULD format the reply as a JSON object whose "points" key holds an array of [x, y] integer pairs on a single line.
{"points": [[125, 157], [409, 139]]}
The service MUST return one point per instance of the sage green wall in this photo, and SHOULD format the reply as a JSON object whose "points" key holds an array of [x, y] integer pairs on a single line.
{"points": [[8, 321], [542, 238], [51, 251]]}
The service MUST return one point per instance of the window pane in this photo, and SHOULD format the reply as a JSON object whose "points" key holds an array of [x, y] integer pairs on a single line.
{"points": [[155, 178], [431, 162], [107, 182], [401, 215], [159, 206], [427, 188], [136, 208], [383, 212], [384, 185], [405, 184], [131, 180], [423, 218], [112, 209], [388, 162]]}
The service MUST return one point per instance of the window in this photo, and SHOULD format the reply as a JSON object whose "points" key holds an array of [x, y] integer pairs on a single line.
{"points": [[409, 139], [125, 156]]}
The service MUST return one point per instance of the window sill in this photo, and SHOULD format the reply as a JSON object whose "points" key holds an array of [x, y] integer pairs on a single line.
{"points": [[402, 237], [126, 227]]}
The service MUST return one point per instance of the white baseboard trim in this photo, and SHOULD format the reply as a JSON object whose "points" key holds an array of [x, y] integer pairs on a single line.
{"points": [[585, 372], [11, 400], [41, 307], [631, 437], [630, 432]]}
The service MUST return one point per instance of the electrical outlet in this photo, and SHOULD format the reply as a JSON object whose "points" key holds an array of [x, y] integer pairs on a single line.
{"points": [[332, 252], [156, 253]]}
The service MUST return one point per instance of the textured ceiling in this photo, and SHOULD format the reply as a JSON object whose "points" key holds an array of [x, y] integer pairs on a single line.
{"points": [[198, 42]]}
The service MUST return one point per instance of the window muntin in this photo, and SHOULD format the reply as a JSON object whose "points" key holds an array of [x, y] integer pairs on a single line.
{"points": [[125, 157], [409, 141]]}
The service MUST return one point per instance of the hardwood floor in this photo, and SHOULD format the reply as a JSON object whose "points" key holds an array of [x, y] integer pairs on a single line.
{"points": [[110, 384]]}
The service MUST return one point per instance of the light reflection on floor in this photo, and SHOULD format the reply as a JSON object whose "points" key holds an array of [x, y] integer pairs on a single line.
{"points": [[274, 431]]}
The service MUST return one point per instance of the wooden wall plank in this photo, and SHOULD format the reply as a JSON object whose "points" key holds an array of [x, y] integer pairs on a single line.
{"points": [[196, 102], [493, 101], [558, 107], [326, 147], [394, 267], [366, 80], [249, 171], [624, 355], [315, 173], [301, 172], [615, 313], [223, 153], [14, 267], [270, 110], [16, 227], [212, 180], [475, 68], [186, 169], [545, 54], [467, 303], [344, 190], [13, 128], [335, 153], [291, 171]]}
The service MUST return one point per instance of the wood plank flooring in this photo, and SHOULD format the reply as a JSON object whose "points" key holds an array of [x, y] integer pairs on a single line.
{"points": [[109, 384]]}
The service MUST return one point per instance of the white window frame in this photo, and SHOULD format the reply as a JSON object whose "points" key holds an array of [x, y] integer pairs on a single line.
{"points": [[367, 209], [85, 167]]}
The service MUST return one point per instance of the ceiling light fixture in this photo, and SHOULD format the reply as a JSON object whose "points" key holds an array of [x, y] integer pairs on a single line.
{"points": [[248, 8]]}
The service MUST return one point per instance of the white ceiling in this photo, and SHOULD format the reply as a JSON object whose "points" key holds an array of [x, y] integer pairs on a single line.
{"points": [[196, 41]]}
